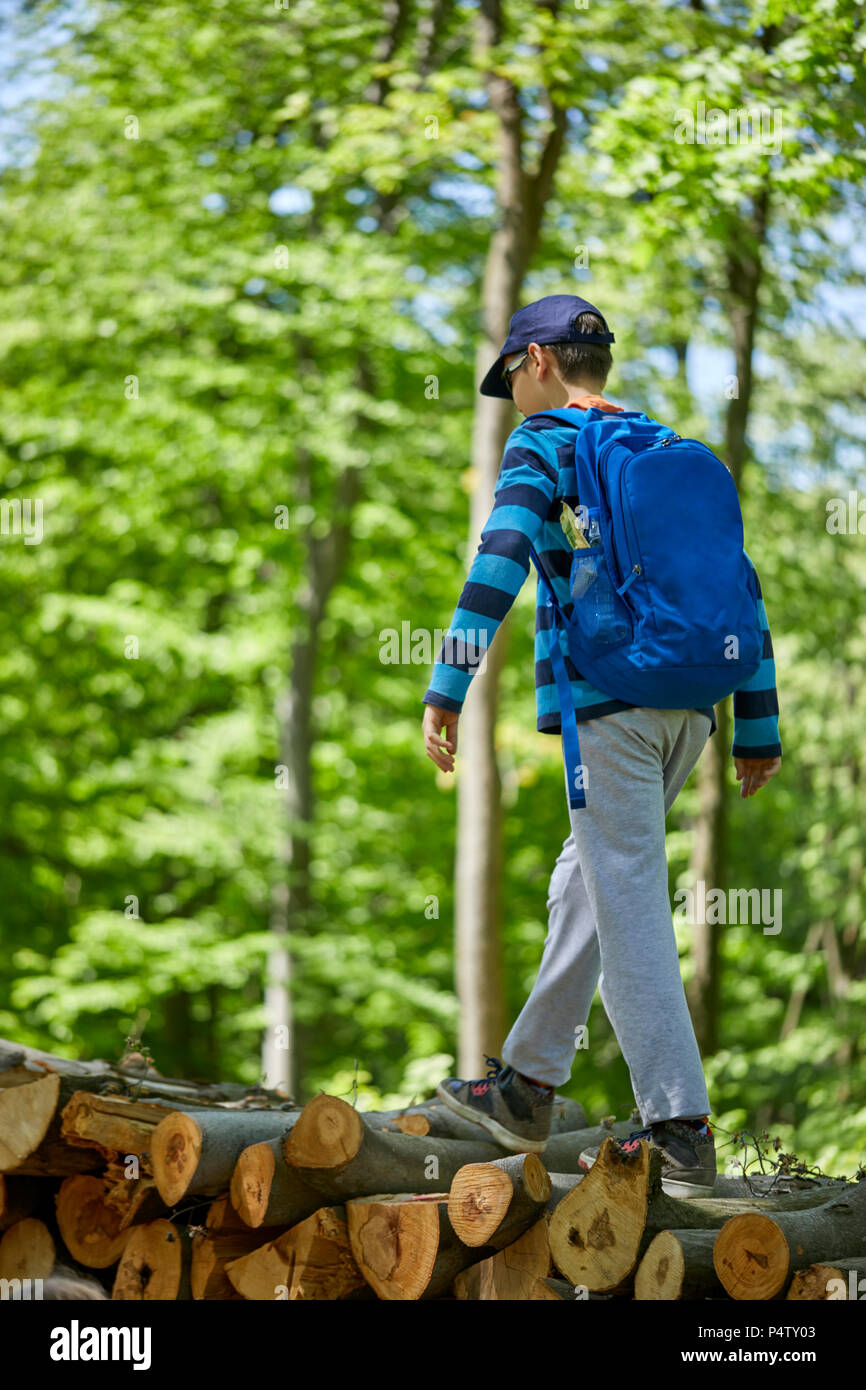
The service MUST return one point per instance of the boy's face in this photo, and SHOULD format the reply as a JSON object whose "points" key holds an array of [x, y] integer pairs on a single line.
{"points": [[530, 382]]}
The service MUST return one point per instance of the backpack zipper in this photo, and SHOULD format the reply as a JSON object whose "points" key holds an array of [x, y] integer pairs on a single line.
{"points": [[632, 548]]}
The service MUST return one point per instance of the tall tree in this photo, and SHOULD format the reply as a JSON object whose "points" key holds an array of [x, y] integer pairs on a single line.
{"points": [[522, 193]]}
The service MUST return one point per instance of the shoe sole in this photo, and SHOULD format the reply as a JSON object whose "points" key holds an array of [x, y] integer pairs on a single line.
{"points": [[672, 1187], [499, 1132]]}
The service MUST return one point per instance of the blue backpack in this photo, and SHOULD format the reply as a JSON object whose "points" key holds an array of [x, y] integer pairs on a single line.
{"points": [[665, 607]]}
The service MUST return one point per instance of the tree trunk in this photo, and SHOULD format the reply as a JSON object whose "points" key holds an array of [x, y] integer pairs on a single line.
{"points": [[478, 868], [709, 859], [291, 900]]}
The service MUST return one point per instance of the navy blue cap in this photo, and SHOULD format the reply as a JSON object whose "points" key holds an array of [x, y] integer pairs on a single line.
{"points": [[548, 320]]}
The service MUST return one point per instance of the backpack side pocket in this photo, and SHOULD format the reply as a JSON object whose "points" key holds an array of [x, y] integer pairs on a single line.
{"points": [[600, 616]]}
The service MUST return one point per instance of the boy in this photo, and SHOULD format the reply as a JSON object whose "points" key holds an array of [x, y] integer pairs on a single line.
{"points": [[608, 903]]}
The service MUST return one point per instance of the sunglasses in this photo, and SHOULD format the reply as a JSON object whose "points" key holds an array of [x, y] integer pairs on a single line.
{"points": [[508, 372]]}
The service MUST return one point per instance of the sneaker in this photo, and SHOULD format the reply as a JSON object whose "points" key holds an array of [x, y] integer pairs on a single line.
{"points": [[514, 1110], [688, 1151]]}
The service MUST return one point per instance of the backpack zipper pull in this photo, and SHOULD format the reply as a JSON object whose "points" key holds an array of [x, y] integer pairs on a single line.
{"points": [[635, 571]]}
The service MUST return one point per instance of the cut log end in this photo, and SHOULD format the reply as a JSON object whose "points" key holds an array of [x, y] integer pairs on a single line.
{"points": [[27, 1251], [152, 1264], [251, 1183], [596, 1230], [678, 1264], [175, 1152], [412, 1124], [92, 1229], [25, 1114], [395, 1241], [662, 1270], [328, 1133], [751, 1256], [482, 1193]]}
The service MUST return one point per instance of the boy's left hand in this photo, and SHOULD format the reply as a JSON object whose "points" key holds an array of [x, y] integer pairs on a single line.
{"points": [[441, 751]]}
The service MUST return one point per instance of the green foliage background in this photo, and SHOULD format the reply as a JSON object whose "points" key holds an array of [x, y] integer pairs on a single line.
{"points": [[172, 334]]}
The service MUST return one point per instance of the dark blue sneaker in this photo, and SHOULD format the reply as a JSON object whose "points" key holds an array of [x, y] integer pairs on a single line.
{"points": [[688, 1152], [515, 1111]]}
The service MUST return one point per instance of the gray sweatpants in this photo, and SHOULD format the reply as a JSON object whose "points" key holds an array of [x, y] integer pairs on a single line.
{"points": [[609, 912]]}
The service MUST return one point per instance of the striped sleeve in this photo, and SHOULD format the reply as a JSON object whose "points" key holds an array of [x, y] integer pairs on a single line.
{"points": [[756, 703], [524, 491]]}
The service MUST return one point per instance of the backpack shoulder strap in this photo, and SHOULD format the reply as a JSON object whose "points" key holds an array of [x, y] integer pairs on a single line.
{"points": [[567, 716], [543, 577]]}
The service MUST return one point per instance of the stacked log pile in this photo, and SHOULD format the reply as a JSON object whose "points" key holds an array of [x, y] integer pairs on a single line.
{"points": [[172, 1190]]}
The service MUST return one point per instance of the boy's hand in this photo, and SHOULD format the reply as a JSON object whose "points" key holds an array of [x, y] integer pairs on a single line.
{"points": [[753, 773], [442, 752]]}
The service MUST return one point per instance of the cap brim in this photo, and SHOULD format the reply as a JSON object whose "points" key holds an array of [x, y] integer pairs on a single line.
{"points": [[493, 385]]}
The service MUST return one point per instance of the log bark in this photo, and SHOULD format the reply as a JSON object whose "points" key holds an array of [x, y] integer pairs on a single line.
{"points": [[434, 1118], [155, 1264], [312, 1261], [513, 1274], [820, 1283], [405, 1247], [196, 1154], [774, 1185], [27, 1250], [678, 1265], [489, 1201], [562, 1151], [755, 1253], [20, 1197]]}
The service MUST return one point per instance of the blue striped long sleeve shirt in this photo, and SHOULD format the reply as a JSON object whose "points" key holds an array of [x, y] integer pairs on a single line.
{"points": [[536, 475]]}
